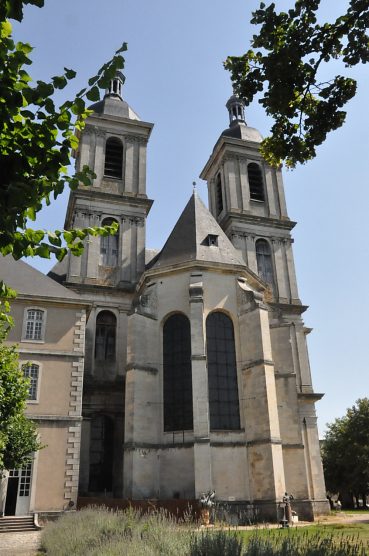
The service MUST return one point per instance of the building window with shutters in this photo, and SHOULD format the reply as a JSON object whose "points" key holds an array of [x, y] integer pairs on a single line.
{"points": [[256, 182], [32, 372], [105, 336], [222, 373], [177, 371], [109, 246], [113, 167], [34, 324], [264, 261]]}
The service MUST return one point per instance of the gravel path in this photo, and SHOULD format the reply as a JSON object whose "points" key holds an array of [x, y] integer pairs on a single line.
{"points": [[20, 544]]}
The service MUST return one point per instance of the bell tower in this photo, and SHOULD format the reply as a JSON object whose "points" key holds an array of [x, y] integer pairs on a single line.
{"points": [[113, 145], [246, 196]]}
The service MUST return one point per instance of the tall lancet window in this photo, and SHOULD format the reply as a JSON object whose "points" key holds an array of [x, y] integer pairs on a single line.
{"points": [[222, 373], [105, 336], [177, 370], [218, 195], [256, 182], [109, 246], [264, 261], [113, 158]]}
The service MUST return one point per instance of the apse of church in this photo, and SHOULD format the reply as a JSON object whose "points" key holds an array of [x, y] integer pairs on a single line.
{"points": [[197, 374]]}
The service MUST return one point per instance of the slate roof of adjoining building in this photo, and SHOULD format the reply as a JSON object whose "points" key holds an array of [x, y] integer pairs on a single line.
{"points": [[26, 280]]}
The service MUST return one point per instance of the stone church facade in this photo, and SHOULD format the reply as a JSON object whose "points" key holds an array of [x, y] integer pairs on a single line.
{"points": [[196, 372]]}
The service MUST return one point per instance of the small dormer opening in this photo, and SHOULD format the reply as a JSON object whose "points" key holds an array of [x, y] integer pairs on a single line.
{"points": [[212, 240]]}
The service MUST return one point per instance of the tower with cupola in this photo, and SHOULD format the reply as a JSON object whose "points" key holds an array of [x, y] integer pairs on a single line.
{"points": [[113, 144], [246, 197]]}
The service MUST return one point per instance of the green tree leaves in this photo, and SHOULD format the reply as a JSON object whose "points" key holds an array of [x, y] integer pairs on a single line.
{"points": [[283, 68], [37, 140], [346, 451], [18, 435], [36, 143]]}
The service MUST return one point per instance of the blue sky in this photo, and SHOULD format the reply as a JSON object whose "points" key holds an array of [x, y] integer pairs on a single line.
{"points": [[175, 78]]}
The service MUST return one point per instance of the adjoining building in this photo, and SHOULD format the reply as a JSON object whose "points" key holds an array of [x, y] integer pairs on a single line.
{"points": [[196, 373], [49, 329]]}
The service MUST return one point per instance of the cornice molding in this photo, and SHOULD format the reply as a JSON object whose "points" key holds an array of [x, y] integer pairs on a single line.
{"points": [[231, 217], [135, 139], [309, 396]]}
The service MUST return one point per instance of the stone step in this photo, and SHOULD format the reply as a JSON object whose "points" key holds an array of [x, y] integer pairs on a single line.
{"points": [[10, 524]]}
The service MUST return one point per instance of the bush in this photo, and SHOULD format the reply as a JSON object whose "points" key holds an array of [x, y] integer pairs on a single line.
{"points": [[215, 543], [104, 532]]}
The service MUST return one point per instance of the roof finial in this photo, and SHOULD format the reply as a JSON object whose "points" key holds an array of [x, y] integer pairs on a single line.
{"points": [[194, 186]]}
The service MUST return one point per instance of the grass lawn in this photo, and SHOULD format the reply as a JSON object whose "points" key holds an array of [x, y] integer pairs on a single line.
{"points": [[354, 531]]}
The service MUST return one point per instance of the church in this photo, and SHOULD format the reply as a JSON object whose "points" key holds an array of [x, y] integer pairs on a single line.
{"points": [[187, 368]]}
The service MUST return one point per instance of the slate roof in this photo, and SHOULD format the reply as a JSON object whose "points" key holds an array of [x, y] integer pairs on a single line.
{"points": [[114, 106], [240, 130], [188, 240], [26, 280]]}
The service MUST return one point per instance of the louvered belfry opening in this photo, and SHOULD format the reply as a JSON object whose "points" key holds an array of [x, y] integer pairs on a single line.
{"points": [[219, 195], [113, 158], [255, 182]]}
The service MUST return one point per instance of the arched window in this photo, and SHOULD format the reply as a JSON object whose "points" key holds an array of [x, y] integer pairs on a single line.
{"points": [[264, 261], [109, 246], [256, 182], [218, 195], [113, 158], [105, 336], [178, 413], [31, 371], [35, 324], [222, 373]]}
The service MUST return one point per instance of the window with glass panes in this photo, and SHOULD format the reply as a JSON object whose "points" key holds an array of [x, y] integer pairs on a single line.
{"points": [[109, 246], [222, 373], [264, 261], [178, 412], [31, 371], [25, 480], [34, 324], [105, 336]]}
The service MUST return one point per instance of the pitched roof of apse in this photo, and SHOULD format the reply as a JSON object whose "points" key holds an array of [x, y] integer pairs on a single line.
{"points": [[26, 280], [189, 240]]}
